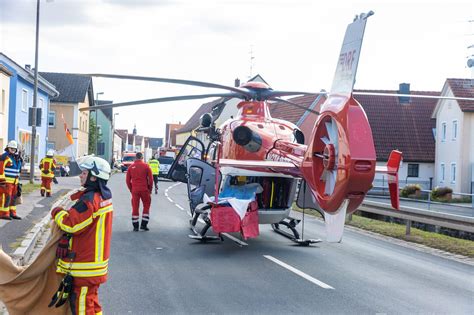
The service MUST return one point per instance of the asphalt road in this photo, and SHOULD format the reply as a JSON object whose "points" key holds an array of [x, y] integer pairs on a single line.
{"points": [[164, 272]]}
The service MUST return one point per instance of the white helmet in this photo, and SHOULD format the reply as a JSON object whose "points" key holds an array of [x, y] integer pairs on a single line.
{"points": [[50, 153], [12, 144], [98, 167]]}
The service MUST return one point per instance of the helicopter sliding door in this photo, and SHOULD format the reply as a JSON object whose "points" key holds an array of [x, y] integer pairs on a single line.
{"points": [[192, 148]]}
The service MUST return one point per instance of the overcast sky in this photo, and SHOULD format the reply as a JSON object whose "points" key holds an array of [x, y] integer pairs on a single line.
{"points": [[295, 45]]}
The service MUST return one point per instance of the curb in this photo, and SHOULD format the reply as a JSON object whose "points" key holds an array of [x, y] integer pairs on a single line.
{"points": [[23, 253]]}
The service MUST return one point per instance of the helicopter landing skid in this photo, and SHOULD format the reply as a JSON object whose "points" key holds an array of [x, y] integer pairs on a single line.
{"points": [[295, 237], [201, 236]]}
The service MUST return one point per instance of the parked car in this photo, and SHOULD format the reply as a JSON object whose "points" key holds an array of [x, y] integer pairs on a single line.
{"points": [[127, 160], [165, 165]]}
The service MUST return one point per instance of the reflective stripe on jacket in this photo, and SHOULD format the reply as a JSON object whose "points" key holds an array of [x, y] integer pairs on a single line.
{"points": [[12, 171], [47, 166], [155, 166], [89, 222], [4, 162]]}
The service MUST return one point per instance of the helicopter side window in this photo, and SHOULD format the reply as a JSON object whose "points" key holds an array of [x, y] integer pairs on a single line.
{"points": [[195, 176]]}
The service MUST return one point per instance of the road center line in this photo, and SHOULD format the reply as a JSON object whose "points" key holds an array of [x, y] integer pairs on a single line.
{"points": [[181, 208], [299, 273], [171, 200]]}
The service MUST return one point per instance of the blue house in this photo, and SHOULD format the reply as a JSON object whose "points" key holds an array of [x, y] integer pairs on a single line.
{"points": [[21, 98]]}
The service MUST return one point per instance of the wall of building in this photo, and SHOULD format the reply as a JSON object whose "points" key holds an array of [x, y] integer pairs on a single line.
{"points": [[425, 175], [449, 150], [117, 147], [182, 137], [57, 135], [105, 136], [81, 133], [467, 157], [18, 119], [4, 108]]}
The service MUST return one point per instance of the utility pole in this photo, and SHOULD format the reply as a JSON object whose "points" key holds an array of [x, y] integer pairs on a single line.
{"points": [[251, 62], [35, 96]]}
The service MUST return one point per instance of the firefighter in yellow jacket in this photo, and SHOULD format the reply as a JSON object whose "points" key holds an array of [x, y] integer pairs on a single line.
{"points": [[47, 166], [155, 171], [84, 249], [5, 161]]}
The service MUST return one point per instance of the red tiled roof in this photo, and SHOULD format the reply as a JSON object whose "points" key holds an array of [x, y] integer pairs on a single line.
{"points": [[194, 121], [406, 127], [463, 88]]}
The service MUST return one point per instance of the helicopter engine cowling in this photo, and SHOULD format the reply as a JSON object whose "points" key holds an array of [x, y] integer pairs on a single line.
{"points": [[246, 138]]}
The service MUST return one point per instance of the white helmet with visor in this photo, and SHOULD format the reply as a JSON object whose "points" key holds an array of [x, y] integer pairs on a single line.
{"points": [[98, 167]]}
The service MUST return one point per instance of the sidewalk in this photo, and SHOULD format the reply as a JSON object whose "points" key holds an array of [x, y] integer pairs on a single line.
{"points": [[32, 211], [24, 239]]}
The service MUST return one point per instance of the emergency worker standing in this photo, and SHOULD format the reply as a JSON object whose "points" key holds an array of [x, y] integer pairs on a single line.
{"points": [[47, 167], [12, 178], [140, 184], [84, 249], [155, 170], [4, 207]]}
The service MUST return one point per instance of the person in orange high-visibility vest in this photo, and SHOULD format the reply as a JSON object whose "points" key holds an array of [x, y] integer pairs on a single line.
{"points": [[47, 166], [84, 249], [5, 161]]}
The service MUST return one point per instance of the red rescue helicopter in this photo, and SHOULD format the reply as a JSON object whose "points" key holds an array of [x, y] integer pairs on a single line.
{"points": [[256, 164]]}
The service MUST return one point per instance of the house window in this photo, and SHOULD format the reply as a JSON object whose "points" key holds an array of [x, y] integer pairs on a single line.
{"points": [[453, 173], [101, 148], [442, 173], [455, 129], [24, 100], [51, 145], [413, 170], [99, 130], [443, 132], [52, 119]]}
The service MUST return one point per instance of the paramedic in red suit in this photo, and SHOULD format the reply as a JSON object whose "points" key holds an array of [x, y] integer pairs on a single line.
{"points": [[140, 184]]}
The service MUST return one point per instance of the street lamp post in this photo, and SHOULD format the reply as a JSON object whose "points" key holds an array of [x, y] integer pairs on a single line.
{"points": [[35, 96], [96, 128], [113, 135]]}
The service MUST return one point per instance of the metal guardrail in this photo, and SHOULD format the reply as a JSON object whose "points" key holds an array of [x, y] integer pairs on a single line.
{"points": [[452, 221], [429, 201]]}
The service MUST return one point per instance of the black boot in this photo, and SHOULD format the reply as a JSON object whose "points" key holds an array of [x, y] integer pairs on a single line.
{"points": [[5, 217], [135, 226], [42, 192], [143, 226], [15, 217]]}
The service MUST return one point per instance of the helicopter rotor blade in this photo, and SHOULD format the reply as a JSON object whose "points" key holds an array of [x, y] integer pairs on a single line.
{"points": [[175, 81], [416, 96], [161, 100], [293, 104]]}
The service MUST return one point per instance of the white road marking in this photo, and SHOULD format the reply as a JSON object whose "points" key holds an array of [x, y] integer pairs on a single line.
{"points": [[166, 193], [181, 208], [171, 200], [299, 273]]}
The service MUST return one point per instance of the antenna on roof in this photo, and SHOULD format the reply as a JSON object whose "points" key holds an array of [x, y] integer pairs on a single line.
{"points": [[251, 62]]}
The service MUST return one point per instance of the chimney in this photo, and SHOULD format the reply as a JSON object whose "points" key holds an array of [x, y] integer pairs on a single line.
{"points": [[28, 67], [237, 82], [404, 88]]}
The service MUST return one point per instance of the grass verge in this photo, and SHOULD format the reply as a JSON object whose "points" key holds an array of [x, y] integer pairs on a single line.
{"points": [[433, 240], [28, 187]]}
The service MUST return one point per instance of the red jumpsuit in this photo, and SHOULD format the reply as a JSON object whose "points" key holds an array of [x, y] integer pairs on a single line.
{"points": [[140, 184], [47, 166], [89, 222]]}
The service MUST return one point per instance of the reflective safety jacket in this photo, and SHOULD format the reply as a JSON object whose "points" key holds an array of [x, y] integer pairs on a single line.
{"points": [[12, 171], [89, 221], [47, 166], [155, 166], [5, 161]]}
